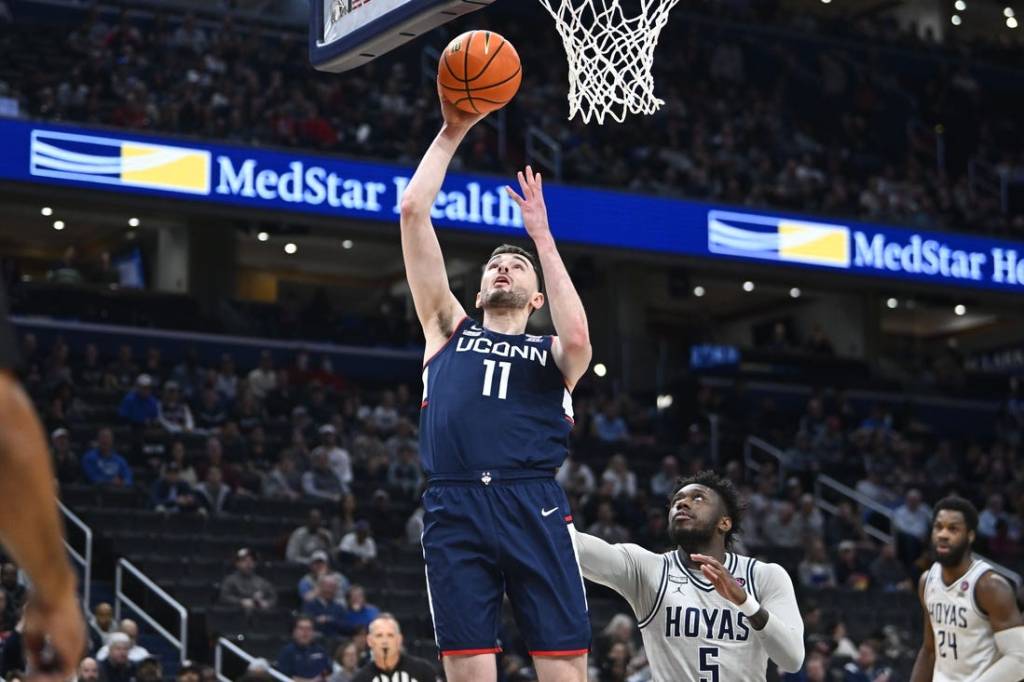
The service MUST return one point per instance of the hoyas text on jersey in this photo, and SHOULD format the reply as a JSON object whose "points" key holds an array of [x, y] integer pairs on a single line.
{"points": [[705, 623], [948, 614], [504, 349]]}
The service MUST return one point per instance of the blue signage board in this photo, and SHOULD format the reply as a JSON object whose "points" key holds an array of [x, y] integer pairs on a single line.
{"points": [[277, 180]]}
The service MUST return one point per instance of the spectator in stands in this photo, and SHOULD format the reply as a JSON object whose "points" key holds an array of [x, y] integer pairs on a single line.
{"points": [[606, 528], [149, 670], [211, 414], [369, 450], [301, 659], [263, 379], [845, 525], [942, 468], [783, 528], [623, 480], [214, 496], [328, 616], [89, 373], [990, 516], [88, 670], [816, 571], [102, 622], [865, 667], [887, 572], [385, 416], [360, 613], [139, 407], [309, 538], [875, 490], [321, 482], [345, 520], [171, 494], [346, 663], [576, 477], [850, 571], [186, 472], [389, 660], [246, 589], [913, 523], [116, 667], [283, 482], [66, 270], [608, 425], [65, 462], [359, 545], [404, 436], [387, 521], [174, 414], [405, 475], [102, 465], [663, 483], [130, 629], [812, 522], [226, 384], [319, 566], [338, 458]]}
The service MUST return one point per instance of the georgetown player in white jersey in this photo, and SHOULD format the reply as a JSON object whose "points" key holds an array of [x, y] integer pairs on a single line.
{"points": [[973, 630], [705, 614]]}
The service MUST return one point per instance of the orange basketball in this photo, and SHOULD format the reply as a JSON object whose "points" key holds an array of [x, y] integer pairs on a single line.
{"points": [[479, 72]]}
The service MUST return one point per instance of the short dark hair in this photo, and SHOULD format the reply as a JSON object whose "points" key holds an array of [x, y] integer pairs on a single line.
{"points": [[511, 248], [725, 489], [956, 503]]}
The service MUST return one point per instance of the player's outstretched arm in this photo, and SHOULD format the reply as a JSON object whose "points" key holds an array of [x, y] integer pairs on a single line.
{"points": [[436, 306], [924, 666], [996, 598], [628, 569], [571, 350], [31, 531]]}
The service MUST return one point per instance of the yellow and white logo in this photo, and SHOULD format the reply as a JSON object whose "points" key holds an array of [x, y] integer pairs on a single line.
{"points": [[749, 235], [109, 161]]}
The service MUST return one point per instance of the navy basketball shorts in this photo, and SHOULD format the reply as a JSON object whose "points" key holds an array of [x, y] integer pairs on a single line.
{"points": [[487, 534]]}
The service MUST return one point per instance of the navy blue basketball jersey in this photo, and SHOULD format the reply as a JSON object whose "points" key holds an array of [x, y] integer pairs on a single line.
{"points": [[493, 401]]}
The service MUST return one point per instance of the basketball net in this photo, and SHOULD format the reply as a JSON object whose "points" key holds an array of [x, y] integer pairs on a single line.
{"points": [[610, 55]]}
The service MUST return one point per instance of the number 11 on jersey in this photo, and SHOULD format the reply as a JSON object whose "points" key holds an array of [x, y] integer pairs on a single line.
{"points": [[502, 382]]}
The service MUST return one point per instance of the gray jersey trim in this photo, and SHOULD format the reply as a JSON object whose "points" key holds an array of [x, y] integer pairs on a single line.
{"points": [[661, 595], [751, 579]]}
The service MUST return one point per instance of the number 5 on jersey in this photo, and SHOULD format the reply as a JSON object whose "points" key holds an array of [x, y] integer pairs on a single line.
{"points": [[489, 378]]}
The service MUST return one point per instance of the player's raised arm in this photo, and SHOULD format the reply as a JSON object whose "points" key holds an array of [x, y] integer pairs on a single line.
{"points": [[571, 348], [31, 531], [924, 666], [436, 306], [626, 568], [996, 598]]}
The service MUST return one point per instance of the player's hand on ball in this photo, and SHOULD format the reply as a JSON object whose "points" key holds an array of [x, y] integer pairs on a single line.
{"points": [[723, 581], [455, 117], [531, 203]]}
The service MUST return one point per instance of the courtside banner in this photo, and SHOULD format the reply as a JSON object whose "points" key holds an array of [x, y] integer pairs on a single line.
{"points": [[253, 178]]}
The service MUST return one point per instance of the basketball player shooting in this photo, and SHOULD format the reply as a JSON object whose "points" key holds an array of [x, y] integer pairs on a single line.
{"points": [[494, 427], [973, 630], [704, 613]]}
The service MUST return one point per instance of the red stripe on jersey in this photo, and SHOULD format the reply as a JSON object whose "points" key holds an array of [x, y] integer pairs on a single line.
{"points": [[568, 519], [424, 404], [569, 419]]}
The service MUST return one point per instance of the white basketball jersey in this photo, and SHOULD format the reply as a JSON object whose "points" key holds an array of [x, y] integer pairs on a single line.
{"points": [[964, 643], [690, 632]]}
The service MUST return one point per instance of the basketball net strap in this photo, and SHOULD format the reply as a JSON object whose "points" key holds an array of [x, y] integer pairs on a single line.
{"points": [[610, 55]]}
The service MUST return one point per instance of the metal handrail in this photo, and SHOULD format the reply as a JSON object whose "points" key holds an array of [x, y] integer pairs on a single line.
{"points": [[181, 641], [242, 654], [822, 480], [84, 560], [751, 464], [543, 148]]}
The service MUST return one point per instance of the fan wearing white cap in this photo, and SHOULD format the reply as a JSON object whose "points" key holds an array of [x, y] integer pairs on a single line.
{"points": [[338, 458]]}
